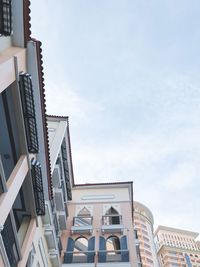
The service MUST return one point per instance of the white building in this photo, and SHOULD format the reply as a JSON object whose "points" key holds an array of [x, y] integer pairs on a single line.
{"points": [[177, 247]]}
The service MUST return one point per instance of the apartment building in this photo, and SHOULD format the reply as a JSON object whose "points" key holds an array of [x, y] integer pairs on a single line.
{"points": [[177, 247], [56, 208], [100, 226], [32, 208], [143, 224]]}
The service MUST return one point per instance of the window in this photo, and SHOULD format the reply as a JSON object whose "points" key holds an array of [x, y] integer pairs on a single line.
{"points": [[111, 217], [83, 218], [80, 250], [5, 17]]}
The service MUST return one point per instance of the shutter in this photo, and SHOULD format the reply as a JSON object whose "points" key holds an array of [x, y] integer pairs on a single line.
{"points": [[102, 246], [68, 257], [123, 245], [91, 244]]}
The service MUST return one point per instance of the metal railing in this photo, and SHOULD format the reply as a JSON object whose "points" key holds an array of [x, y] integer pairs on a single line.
{"points": [[113, 255], [38, 187], [111, 219], [101, 256], [79, 256], [82, 221], [26, 90], [5, 17]]}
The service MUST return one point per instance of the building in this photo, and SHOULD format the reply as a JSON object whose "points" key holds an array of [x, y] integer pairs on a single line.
{"points": [[33, 204], [56, 208], [100, 226], [143, 224], [177, 247]]}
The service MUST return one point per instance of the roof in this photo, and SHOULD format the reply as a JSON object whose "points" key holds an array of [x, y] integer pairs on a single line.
{"points": [[27, 37], [56, 118], [43, 111], [176, 230], [27, 21]]}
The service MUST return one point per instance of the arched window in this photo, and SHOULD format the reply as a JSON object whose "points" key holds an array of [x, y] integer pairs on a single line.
{"points": [[84, 212], [80, 250], [83, 218], [112, 217], [81, 244], [112, 243]]}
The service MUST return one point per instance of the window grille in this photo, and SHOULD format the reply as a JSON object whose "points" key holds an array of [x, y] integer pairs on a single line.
{"points": [[28, 106], [5, 17], [38, 187]]}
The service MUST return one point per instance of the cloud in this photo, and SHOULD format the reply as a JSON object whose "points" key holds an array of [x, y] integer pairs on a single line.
{"points": [[182, 177], [63, 100]]}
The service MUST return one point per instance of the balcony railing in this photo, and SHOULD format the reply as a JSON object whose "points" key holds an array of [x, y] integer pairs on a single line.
{"points": [[113, 256], [10, 243], [82, 221], [79, 257], [82, 224], [5, 17], [103, 256], [26, 91], [111, 219], [112, 224], [38, 187]]}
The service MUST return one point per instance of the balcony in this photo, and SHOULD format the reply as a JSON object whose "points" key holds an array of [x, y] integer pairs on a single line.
{"points": [[112, 224], [82, 225], [115, 258], [79, 257], [28, 106], [5, 17], [38, 187]]}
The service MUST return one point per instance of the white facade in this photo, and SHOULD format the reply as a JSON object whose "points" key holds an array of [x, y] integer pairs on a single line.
{"points": [[177, 247]]}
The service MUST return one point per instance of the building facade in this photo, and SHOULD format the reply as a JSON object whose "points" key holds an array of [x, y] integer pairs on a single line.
{"points": [[143, 224], [177, 247], [100, 227], [32, 205]]}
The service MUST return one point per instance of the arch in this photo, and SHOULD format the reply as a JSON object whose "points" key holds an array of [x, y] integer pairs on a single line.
{"points": [[111, 211], [113, 243], [80, 244], [112, 216], [84, 212]]}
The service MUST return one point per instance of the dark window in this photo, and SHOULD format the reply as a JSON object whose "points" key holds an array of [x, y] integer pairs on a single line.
{"points": [[5, 17]]}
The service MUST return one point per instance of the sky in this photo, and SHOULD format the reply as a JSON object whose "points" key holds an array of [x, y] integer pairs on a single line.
{"points": [[126, 72]]}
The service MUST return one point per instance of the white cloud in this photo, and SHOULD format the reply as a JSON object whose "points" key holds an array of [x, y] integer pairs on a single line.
{"points": [[183, 176], [63, 100]]}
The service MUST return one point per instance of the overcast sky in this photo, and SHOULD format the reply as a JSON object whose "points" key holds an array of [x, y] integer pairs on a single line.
{"points": [[127, 73]]}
